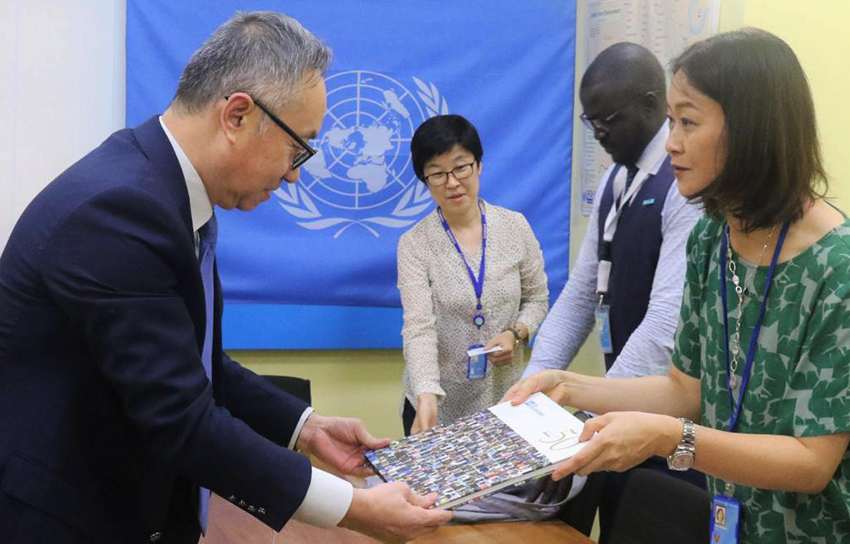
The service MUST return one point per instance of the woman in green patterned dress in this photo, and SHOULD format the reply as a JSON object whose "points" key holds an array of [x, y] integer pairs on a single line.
{"points": [[765, 368]]}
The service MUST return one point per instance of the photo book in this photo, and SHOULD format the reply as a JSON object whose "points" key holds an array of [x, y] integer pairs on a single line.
{"points": [[482, 453]]}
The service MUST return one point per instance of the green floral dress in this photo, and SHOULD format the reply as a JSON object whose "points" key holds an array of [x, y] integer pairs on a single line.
{"points": [[800, 382]]}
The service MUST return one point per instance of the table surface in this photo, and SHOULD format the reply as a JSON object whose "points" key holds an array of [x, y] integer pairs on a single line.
{"points": [[228, 524]]}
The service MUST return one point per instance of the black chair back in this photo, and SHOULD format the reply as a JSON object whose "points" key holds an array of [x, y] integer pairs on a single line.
{"points": [[298, 387]]}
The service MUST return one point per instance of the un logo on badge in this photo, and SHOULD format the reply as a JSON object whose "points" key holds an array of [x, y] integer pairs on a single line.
{"points": [[362, 175]]}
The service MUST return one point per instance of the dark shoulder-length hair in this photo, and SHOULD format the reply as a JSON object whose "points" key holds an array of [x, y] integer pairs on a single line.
{"points": [[773, 166], [439, 135]]}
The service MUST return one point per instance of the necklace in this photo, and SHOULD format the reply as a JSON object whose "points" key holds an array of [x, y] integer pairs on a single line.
{"points": [[739, 291]]}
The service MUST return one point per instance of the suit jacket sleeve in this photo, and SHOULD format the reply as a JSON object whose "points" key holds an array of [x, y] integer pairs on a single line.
{"points": [[122, 267]]}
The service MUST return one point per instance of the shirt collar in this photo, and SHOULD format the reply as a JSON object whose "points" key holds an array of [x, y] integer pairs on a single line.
{"points": [[199, 200], [655, 152]]}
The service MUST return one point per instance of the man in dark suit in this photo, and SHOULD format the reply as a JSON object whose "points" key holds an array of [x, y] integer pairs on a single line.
{"points": [[119, 412]]}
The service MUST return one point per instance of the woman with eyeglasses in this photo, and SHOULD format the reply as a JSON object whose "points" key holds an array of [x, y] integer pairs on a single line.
{"points": [[471, 277], [761, 367]]}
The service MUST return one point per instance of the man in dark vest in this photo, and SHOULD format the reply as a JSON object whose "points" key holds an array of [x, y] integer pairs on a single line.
{"points": [[630, 271]]}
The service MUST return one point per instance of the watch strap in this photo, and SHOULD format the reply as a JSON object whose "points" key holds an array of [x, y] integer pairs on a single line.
{"points": [[517, 336], [689, 432], [684, 455]]}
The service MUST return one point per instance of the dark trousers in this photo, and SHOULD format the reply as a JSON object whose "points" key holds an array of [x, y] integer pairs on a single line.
{"points": [[615, 483]]}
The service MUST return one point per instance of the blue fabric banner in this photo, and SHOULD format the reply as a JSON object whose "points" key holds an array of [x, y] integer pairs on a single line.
{"points": [[330, 240]]}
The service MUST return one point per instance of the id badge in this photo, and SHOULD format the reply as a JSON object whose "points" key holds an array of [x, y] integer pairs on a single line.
{"points": [[476, 365], [725, 515], [603, 327]]}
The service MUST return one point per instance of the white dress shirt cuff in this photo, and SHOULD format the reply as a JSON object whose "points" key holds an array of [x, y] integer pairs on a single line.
{"points": [[298, 427], [327, 501]]}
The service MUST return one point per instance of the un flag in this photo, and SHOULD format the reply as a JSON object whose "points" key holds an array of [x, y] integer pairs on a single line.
{"points": [[322, 252], [361, 175]]}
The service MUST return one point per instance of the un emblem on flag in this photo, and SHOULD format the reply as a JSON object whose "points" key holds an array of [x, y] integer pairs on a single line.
{"points": [[361, 175]]}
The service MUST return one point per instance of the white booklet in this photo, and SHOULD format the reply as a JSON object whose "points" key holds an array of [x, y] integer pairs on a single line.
{"points": [[482, 453]]}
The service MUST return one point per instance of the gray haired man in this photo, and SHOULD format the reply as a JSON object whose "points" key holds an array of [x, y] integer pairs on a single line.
{"points": [[119, 411]]}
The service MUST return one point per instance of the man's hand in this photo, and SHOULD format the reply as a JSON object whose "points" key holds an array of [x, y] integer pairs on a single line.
{"points": [[339, 442], [506, 341], [392, 513], [426, 413]]}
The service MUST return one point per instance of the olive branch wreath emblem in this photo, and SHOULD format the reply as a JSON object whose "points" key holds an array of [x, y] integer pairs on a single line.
{"points": [[416, 199]]}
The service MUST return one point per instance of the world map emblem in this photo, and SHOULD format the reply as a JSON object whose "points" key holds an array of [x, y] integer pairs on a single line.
{"points": [[361, 175]]}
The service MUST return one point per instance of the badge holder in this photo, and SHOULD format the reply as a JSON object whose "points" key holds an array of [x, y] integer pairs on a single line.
{"points": [[476, 362], [603, 327], [725, 518]]}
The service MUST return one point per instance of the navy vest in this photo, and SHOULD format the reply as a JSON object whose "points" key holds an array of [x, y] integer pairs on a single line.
{"points": [[634, 253]]}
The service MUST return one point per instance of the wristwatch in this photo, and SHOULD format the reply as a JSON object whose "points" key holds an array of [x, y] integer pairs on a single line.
{"points": [[683, 456], [517, 336]]}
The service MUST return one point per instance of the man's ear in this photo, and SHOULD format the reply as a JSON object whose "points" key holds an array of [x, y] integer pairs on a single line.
{"points": [[650, 105], [233, 113]]}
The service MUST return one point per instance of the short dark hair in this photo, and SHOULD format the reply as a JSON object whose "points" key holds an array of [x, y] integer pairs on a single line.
{"points": [[773, 166], [439, 135]]}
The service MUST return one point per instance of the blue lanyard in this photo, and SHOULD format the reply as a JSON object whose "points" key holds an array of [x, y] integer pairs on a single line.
{"points": [[477, 283], [751, 353]]}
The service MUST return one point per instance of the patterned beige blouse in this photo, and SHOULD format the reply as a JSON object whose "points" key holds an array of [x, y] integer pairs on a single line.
{"points": [[439, 303]]}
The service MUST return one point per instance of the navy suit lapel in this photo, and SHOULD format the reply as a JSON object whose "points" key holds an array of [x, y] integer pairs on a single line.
{"points": [[157, 148]]}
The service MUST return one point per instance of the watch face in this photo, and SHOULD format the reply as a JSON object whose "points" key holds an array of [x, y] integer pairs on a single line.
{"points": [[682, 460]]}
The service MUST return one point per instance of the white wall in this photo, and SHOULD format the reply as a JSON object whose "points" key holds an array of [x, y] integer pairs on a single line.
{"points": [[61, 91]]}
